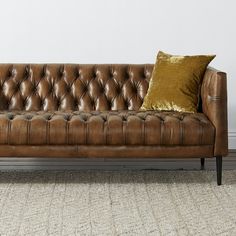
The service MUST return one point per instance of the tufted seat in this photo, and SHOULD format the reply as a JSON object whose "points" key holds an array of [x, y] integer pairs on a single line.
{"points": [[105, 128]]}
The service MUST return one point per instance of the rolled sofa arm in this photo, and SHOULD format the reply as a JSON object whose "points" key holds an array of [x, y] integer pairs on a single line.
{"points": [[214, 106]]}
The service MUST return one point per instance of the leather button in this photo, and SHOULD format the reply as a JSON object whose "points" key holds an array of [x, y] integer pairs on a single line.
{"points": [[67, 117], [118, 90], [13, 72], [35, 89], [28, 117], [18, 86], [135, 89], [68, 89], [51, 89], [76, 103], [126, 104]]}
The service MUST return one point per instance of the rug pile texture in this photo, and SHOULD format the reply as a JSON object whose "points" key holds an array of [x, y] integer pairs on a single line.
{"points": [[117, 203]]}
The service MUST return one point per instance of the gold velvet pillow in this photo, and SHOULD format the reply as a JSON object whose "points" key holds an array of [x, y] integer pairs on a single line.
{"points": [[175, 82]]}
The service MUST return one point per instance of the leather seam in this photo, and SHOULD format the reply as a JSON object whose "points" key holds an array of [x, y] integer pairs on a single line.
{"points": [[8, 131], [162, 133], [48, 132], [143, 132], [181, 132], [86, 132], [28, 131], [67, 132], [124, 130], [105, 132]]}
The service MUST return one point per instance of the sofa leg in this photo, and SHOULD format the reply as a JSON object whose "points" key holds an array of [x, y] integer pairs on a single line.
{"points": [[202, 163], [219, 169]]}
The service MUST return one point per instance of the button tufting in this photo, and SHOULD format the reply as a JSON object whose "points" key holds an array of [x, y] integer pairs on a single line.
{"points": [[127, 74], [102, 89], [76, 81], [76, 103], [41, 102], [135, 89], [10, 116], [46, 72], [84, 118], [51, 89], [62, 71], [129, 127], [106, 97], [92, 103], [67, 117], [118, 89], [146, 73], [58, 103], [28, 117], [48, 117], [12, 72], [18, 86], [34, 89], [68, 89], [127, 103], [94, 74]]}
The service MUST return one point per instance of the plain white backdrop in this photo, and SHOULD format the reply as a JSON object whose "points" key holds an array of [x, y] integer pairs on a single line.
{"points": [[120, 31]]}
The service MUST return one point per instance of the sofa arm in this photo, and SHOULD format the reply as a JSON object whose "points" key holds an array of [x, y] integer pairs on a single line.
{"points": [[214, 106]]}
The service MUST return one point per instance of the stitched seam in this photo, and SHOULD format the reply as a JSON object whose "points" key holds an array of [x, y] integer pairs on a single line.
{"points": [[143, 131], [162, 133], [124, 124], [48, 132], [86, 132], [28, 131], [105, 131], [181, 132], [67, 132], [8, 131]]}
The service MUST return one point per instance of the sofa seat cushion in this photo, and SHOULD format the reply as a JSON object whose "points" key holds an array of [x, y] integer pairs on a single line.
{"points": [[105, 128]]}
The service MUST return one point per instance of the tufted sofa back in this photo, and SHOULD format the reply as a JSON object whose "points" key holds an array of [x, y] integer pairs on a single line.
{"points": [[54, 87]]}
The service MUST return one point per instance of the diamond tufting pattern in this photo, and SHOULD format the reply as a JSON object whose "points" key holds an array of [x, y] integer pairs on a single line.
{"points": [[73, 87]]}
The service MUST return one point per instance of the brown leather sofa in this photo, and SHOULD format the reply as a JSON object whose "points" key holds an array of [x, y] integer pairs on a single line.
{"points": [[93, 111]]}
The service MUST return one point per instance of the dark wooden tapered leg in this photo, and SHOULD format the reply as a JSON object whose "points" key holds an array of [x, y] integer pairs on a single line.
{"points": [[219, 169], [202, 163]]}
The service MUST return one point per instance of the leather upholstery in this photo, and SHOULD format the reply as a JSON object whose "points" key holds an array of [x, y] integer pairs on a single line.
{"points": [[101, 151], [214, 106], [105, 128], [73, 87], [92, 110]]}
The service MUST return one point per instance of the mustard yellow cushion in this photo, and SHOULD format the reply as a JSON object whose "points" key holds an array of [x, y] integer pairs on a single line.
{"points": [[175, 82]]}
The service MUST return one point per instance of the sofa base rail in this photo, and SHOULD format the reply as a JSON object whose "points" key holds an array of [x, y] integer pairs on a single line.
{"points": [[91, 151], [101, 152]]}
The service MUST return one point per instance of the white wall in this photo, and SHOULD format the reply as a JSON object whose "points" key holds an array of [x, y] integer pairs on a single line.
{"points": [[120, 31]]}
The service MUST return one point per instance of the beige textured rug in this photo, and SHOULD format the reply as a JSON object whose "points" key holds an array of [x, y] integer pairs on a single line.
{"points": [[117, 203]]}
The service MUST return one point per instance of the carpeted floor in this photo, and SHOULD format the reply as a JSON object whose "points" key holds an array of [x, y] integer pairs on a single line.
{"points": [[117, 203]]}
